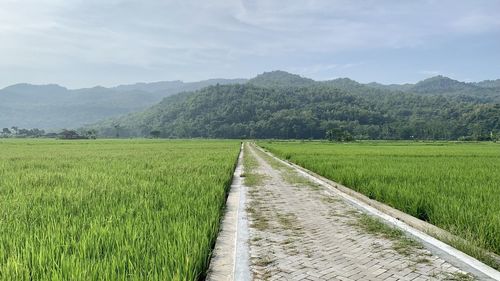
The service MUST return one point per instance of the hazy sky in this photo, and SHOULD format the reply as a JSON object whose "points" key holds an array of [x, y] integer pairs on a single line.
{"points": [[80, 43]]}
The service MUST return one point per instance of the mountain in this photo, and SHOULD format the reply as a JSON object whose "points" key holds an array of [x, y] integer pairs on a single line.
{"points": [[280, 105], [273, 104], [485, 91], [352, 87], [151, 87], [36, 90], [280, 78], [54, 107], [441, 84], [391, 87], [445, 86], [176, 86], [344, 84], [488, 84]]}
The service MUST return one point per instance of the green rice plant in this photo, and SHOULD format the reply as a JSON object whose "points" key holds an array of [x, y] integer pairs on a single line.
{"points": [[455, 186], [111, 210]]}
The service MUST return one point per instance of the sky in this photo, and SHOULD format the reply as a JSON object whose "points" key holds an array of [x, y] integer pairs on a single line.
{"points": [[83, 43]]}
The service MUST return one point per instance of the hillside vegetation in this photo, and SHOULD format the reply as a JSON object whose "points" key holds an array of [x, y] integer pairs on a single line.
{"points": [[283, 105]]}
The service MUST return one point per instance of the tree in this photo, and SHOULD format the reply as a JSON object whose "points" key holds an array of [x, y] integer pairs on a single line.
{"points": [[155, 134], [330, 135], [35, 132], [6, 131], [117, 129], [494, 137], [346, 136], [339, 135], [91, 134]]}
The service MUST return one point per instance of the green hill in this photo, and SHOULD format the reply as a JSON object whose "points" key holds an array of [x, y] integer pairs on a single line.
{"points": [[280, 78], [441, 84], [488, 84], [279, 105], [485, 91]]}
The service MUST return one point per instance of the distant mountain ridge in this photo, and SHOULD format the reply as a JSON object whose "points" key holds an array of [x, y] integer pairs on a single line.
{"points": [[176, 85], [434, 85], [441, 84], [55, 107], [445, 85], [488, 84]]}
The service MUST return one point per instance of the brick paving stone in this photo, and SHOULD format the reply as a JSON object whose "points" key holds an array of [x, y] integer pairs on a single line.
{"points": [[310, 234]]}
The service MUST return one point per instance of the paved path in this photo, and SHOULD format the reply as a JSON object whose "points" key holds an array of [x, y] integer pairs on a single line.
{"points": [[300, 231]]}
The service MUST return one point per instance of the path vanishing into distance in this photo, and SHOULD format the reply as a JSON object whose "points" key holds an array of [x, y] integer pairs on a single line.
{"points": [[287, 227]]}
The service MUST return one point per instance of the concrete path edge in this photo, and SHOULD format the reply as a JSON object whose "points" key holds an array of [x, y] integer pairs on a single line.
{"points": [[230, 258]]}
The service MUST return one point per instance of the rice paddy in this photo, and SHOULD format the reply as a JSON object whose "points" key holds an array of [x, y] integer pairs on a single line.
{"points": [[111, 210], [455, 186], [150, 210]]}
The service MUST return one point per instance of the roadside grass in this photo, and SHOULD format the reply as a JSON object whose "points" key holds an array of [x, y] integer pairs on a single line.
{"points": [[458, 276], [250, 164], [402, 244], [275, 164], [288, 173], [259, 219], [257, 213], [289, 222], [253, 180]]}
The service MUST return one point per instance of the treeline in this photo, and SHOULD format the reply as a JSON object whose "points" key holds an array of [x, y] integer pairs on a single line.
{"points": [[22, 133], [16, 132], [310, 112]]}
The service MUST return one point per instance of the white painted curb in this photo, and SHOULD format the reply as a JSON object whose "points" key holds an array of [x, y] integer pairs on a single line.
{"points": [[230, 258]]}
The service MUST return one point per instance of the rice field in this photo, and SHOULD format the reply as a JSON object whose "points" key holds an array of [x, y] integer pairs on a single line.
{"points": [[455, 186], [111, 210]]}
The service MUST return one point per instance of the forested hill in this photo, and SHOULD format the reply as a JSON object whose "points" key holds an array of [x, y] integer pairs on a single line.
{"points": [[277, 105], [486, 91]]}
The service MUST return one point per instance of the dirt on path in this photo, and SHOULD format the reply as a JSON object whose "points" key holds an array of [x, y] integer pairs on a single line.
{"points": [[301, 231]]}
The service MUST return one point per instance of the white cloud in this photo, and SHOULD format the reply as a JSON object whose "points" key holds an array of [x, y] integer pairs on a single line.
{"points": [[477, 22], [199, 39]]}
